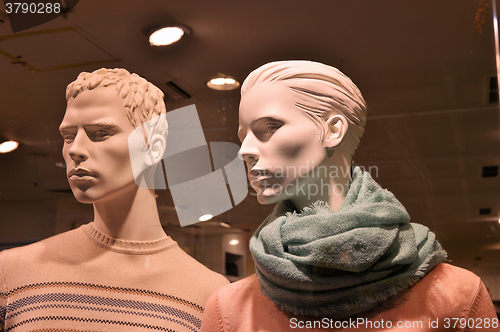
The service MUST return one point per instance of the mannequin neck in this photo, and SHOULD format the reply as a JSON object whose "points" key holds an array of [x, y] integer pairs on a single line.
{"points": [[132, 216], [331, 179]]}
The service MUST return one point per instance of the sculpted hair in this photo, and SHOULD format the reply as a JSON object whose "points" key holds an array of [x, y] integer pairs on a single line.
{"points": [[142, 100], [321, 91]]}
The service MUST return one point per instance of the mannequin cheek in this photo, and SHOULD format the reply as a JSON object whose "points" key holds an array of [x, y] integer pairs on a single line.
{"points": [[291, 151], [301, 155], [119, 156]]}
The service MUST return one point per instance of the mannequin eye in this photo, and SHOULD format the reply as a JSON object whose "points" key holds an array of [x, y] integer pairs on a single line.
{"points": [[101, 135], [270, 127], [68, 138]]}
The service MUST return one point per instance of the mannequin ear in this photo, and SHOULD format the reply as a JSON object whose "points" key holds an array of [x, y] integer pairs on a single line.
{"points": [[337, 128], [156, 150]]}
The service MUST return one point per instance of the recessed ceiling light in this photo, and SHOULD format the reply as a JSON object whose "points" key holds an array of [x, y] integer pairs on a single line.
{"points": [[223, 83], [166, 35], [8, 146], [234, 242], [205, 217]]}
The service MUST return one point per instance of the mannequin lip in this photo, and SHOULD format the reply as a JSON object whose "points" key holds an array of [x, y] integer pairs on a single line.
{"points": [[259, 175], [260, 181], [261, 178], [81, 174]]}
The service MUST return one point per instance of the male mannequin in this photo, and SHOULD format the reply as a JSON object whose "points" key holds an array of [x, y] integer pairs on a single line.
{"points": [[337, 249], [120, 272]]}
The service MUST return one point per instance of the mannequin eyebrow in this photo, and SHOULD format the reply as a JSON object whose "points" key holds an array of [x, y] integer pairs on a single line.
{"points": [[102, 125], [265, 119]]}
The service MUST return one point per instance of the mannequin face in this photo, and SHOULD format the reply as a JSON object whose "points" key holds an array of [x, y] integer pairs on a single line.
{"points": [[280, 143], [95, 131]]}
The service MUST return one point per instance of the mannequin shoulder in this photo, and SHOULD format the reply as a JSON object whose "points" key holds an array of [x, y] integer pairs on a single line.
{"points": [[451, 278], [446, 284], [444, 293], [55, 244], [244, 292], [190, 269]]}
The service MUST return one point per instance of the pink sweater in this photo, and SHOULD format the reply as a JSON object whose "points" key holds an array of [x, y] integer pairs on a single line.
{"points": [[83, 280], [443, 300]]}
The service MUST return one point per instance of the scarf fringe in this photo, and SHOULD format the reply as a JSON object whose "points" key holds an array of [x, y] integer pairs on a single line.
{"points": [[376, 298], [315, 208]]}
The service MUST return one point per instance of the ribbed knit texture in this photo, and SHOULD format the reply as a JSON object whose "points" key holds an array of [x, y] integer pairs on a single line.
{"points": [[83, 280]]}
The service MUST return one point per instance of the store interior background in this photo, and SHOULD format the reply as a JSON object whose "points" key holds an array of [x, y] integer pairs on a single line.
{"points": [[426, 69]]}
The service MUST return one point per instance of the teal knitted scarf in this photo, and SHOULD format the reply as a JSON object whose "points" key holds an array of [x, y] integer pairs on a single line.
{"points": [[337, 264]]}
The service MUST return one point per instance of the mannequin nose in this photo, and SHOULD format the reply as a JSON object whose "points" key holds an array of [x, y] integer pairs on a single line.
{"points": [[78, 151], [248, 151], [248, 157]]}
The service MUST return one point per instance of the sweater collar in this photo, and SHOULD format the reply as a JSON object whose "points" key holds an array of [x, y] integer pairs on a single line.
{"points": [[126, 246]]}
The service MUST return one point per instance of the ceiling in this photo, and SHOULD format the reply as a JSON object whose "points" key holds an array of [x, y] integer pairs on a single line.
{"points": [[424, 68]]}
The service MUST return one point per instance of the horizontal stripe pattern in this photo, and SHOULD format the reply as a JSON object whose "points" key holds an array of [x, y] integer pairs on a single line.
{"points": [[83, 280], [67, 304], [89, 320], [123, 290]]}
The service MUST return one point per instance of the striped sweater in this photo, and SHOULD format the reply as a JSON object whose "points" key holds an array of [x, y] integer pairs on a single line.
{"points": [[83, 280]]}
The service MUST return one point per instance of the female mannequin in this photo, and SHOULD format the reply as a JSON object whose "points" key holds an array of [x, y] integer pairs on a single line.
{"points": [[338, 251]]}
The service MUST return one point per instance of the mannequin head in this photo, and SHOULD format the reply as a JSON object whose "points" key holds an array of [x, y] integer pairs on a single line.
{"points": [[142, 101], [320, 91], [103, 108], [294, 117]]}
